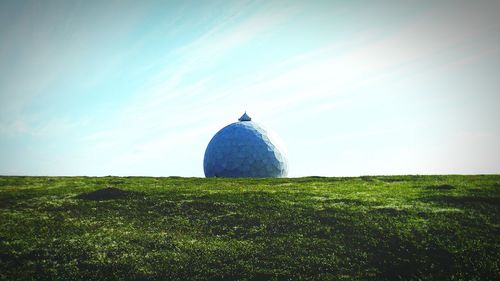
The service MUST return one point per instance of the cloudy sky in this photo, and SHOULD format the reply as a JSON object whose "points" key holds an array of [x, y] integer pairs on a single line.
{"points": [[351, 87]]}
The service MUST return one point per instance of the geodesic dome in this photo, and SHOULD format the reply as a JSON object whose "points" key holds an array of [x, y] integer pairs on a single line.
{"points": [[244, 149]]}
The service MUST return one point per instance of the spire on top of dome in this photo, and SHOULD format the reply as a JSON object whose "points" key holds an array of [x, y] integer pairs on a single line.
{"points": [[245, 117]]}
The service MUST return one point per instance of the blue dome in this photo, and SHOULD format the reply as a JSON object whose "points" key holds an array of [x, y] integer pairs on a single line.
{"points": [[244, 149]]}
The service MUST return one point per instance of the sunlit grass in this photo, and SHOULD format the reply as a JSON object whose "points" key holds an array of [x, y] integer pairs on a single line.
{"points": [[372, 228]]}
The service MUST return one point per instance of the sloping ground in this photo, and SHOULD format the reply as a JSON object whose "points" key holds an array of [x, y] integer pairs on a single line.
{"points": [[366, 228]]}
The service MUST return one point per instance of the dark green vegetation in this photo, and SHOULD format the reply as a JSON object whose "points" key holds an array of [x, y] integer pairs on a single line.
{"points": [[368, 228]]}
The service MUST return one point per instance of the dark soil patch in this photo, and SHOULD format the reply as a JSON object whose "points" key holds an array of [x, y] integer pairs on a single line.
{"points": [[392, 179], [108, 193], [441, 187]]}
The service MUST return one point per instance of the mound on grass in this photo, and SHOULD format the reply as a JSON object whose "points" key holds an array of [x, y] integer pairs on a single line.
{"points": [[108, 193]]}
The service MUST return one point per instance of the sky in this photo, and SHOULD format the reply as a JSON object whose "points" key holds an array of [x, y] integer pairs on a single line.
{"points": [[352, 88]]}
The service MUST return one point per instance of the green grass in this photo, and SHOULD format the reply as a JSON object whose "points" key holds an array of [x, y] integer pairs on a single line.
{"points": [[366, 228]]}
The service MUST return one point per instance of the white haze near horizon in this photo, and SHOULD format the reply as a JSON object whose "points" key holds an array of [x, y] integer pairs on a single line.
{"points": [[351, 87]]}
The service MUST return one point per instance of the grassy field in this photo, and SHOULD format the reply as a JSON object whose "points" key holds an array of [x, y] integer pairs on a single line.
{"points": [[138, 228]]}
